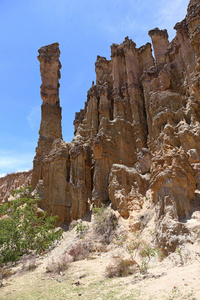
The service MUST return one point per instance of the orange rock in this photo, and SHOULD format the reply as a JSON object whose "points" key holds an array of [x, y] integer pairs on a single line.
{"points": [[142, 116]]}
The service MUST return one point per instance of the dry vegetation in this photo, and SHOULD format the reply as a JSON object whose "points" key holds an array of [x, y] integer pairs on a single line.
{"points": [[87, 265]]}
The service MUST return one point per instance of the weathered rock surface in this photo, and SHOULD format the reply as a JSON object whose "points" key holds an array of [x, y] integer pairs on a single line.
{"points": [[12, 182], [110, 130], [127, 189], [50, 127], [139, 131]]}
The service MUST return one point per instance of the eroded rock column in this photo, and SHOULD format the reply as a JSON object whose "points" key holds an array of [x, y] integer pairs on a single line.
{"points": [[160, 43], [50, 127]]}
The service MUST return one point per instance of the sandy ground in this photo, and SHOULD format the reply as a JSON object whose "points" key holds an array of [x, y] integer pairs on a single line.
{"points": [[173, 278]]}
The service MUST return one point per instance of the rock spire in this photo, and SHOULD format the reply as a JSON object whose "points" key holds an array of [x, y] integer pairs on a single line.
{"points": [[138, 134]]}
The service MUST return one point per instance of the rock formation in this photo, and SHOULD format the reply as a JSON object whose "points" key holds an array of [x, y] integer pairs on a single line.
{"points": [[50, 127], [12, 182], [138, 133]]}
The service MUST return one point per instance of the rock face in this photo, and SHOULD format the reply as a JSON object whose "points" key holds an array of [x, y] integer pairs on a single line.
{"points": [[12, 182], [127, 189], [139, 132]]}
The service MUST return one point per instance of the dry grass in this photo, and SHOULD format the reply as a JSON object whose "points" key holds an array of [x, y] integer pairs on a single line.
{"points": [[121, 268], [29, 264], [62, 264], [81, 250]]}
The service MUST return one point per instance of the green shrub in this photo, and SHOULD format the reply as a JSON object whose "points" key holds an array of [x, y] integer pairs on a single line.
{"points": [[133, 246], [144, 266], [22, 230], [147, 251], [80, 229], [144, 250]]}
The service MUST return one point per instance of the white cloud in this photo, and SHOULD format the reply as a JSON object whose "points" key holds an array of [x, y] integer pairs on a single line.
{"points": [[174, 9], [2, 175], [135, 18], [170, 12], [34, 117], [13, 162]]}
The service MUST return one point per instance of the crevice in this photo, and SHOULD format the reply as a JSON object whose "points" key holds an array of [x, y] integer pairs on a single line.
{"points": [[68, 169], [111, 110], [98, 104], [144, 108], [92, 175]]}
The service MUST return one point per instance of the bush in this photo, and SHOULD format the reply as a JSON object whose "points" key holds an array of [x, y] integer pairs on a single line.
{"points": [[80, 250], [132, 247], [105, 222], [80, 229], [147, 251], [22, 230], [59, 266], [144, 267], [121, 268], [144, 250], [5, 273]]}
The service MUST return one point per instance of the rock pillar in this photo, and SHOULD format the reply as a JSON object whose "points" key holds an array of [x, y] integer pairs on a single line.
{"points": [[160, 43], [50, 127]]}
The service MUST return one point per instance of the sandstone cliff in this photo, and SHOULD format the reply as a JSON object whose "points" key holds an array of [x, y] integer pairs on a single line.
{"points": [[138, 136], [12, 182]]}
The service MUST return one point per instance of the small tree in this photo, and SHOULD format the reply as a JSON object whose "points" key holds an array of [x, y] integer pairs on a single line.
{"points": [[22, 229]]}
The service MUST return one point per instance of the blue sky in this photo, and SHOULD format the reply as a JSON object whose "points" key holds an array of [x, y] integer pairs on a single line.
{"points": [[84, 29]]}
